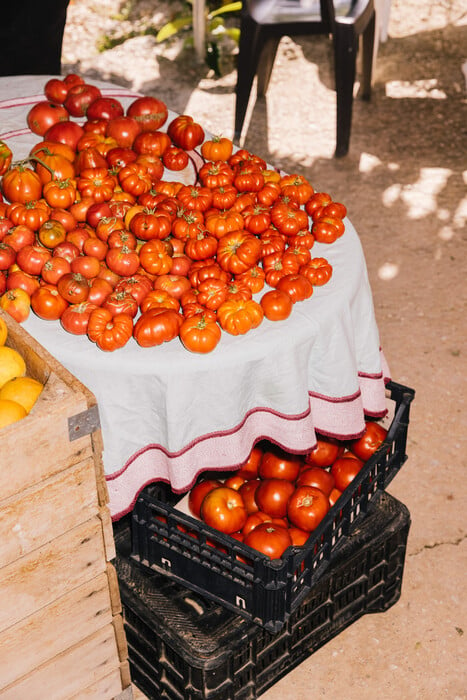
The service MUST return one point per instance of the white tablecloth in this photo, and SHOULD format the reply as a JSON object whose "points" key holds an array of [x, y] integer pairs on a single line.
{"points": [[167, 414]]}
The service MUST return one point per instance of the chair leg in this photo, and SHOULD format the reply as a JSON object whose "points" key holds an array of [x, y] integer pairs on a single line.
{"points": [[250, 39], [368, 45], [265, 64], [345, 57]]}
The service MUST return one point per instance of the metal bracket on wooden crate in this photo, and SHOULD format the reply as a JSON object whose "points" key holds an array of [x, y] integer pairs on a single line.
{"points": [[83, 423], [126, 694]]}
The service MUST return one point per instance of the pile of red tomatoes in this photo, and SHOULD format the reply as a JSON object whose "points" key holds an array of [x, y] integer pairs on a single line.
{"points": [[97, 232], [277, 499]]}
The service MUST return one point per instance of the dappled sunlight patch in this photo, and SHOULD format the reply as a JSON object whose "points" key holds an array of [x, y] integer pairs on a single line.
{"points": [[368, 163], [420, 198], [418, 89], [388, 271]]}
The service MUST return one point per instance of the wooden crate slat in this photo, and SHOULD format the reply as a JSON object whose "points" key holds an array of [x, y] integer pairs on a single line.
{"points": [[108, 688], [53, 629], [44, 511], [37, 579], [65, 675]]}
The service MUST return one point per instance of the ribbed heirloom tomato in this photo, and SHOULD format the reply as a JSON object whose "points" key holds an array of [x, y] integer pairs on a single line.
{"points": [[217, 148], [107, 331], [185, 132], [238, 317], [21, 184], [157, 326], [199, 334]]}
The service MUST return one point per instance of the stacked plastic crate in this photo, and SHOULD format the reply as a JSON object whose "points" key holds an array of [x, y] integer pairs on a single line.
{"points": [[207, 618]]}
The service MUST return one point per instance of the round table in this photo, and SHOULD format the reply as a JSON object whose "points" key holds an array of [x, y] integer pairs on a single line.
{"points": [[168, 414]]}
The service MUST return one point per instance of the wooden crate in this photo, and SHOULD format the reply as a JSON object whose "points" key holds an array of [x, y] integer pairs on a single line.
{"points": [[61, 628]]}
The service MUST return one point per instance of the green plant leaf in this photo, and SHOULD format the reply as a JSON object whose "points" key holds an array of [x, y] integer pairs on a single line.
{"points": [[173, 27], [230, 7]]}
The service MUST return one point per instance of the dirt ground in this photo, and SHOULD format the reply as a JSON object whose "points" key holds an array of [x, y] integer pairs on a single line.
{"points": [[404, 184]]}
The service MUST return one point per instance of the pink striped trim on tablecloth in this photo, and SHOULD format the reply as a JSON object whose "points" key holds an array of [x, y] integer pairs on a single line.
{"points": [[339, 417]]}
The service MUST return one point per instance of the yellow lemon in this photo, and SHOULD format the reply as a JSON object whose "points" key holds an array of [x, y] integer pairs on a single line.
{"points": [[11, 365], [23, 390], [3, 332], [10, 412]]}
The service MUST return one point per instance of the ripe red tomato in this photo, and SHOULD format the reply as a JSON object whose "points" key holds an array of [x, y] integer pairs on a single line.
{"points": [[45, 114], [17, 303], [56, 90], [48, 303], [307, 507], [157, 326], [253, 520], [73, 287], [181, 264], [198, 492], [249, 469], [67, 250], [19, 236], [175, 158], [316, 476], [7, 256], [80, 97], [365, 446], [234, 482], [299, 537], [104, 108], [248, 491], [345, 469], [334, 496], [175, 285], [31, 258], [66, 132], [18, 279], [96, 212], [86, 265], [124, 130], [272, 540], [277, 305], [223, 509], [149, 112], [99, 290], [185, 132], [272, 495], [55, 268], [325, 452], [75, 318], [278, 464]]}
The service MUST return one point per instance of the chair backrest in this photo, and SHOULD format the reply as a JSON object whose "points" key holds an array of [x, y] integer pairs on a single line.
{"points": [[289, 11]]}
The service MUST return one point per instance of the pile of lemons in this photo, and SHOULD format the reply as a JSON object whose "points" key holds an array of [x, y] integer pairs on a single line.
{"points": [[18, 393]]}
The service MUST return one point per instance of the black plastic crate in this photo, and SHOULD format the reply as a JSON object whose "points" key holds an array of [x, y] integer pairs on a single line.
{"points": [[183, 646], [248, 582]]}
